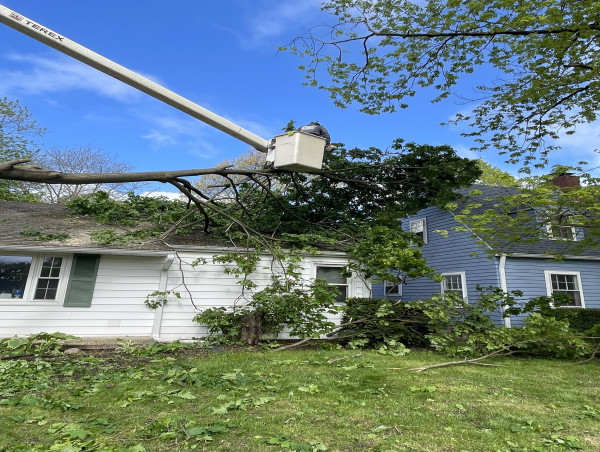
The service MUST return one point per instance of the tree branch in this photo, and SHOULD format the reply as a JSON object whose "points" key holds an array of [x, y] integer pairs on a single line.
{"points": [[10, 171], [469, 34]]}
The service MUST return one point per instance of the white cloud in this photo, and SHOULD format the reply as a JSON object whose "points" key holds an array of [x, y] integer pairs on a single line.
{"points": [[584, 141], [159, 139], [188, 134], [163, 194], [277, 20], [51, 75], [175, 130], [267, 20]]}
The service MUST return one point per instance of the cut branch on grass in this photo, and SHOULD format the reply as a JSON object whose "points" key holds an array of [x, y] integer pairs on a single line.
{"points": [[593, 356], [508, 350]]}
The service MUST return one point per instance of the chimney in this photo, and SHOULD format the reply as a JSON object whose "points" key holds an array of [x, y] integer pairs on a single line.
{"points": [[566, 180]]}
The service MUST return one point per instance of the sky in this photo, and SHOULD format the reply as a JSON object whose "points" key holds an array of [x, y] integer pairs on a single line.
{"points": [[221, 55]]}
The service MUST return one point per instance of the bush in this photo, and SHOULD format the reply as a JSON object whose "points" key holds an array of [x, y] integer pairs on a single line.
{"points": [[465, 330], [224, 325], [381, 321], [581, 320]]}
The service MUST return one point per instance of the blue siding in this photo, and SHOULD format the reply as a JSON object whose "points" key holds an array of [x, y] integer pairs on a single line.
{"points": [[377, 291], [455, 252], [527, 275]]}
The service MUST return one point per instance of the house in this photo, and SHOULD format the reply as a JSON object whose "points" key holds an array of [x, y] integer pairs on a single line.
{"points": [[54, 276], [526, 266]]}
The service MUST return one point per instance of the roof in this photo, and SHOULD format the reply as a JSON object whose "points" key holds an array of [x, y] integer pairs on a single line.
{"points": [[488, 197], [37, 225]]}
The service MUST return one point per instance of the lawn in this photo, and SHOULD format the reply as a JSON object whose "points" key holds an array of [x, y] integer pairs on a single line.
{"points": [[163, 399]]}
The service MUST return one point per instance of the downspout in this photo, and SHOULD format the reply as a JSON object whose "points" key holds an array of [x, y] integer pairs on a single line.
{"points": [[162, 287], [503, 285]]}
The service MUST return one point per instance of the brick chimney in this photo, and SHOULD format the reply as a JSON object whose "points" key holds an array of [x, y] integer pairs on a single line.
{"points": [[566, 180]]}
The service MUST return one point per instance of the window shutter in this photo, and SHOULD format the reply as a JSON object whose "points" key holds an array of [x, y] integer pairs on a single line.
{"points": [[82, 280]]}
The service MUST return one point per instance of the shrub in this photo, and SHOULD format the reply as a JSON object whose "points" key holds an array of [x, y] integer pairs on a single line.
{"points": [[585, 321], [224, 325], [381, 321], [465, 330]]}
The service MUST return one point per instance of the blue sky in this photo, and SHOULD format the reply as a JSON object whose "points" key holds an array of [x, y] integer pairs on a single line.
{"points": [[221, 55]]}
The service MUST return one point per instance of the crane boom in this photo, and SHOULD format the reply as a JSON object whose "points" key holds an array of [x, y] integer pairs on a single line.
{"points": [[87, 56]]}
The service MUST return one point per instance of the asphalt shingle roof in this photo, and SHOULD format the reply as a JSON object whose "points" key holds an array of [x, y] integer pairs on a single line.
{"points": [[489, 197], [55, 225]]}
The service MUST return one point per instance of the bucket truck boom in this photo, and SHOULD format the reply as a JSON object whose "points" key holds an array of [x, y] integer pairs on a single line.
{"points": [[296, 152]]}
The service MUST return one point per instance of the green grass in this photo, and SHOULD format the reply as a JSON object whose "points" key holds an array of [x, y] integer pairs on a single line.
{"points": [[296, 400]]}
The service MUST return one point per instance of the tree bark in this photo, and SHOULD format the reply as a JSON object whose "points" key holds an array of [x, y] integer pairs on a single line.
{"points": [[252, 327], [12, 171]]}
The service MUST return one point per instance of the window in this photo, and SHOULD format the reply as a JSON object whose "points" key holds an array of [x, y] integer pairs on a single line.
{"points": [[455, 283], [30, 277], [14, 271], [561, 232], [47, 283], [392, 289], [68, 279], [333, 276], [419, 227], [568, 283]]}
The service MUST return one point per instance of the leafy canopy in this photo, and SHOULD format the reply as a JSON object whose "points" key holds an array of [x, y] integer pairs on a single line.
{"points": [[357, 187], [535, 209], [357, 190], [540, 58], [17, 134]]}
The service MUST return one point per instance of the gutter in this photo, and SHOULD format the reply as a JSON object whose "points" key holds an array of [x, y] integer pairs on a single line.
{"points": [[77, 250], [503, 284], [549, 256], [162, 287], [228, 249]]}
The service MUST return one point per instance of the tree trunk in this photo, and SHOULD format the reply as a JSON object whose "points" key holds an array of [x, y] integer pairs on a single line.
{"points": [[252, 327]]}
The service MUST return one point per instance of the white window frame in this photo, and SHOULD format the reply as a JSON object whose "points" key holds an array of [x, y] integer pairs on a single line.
{"points": [[463, 281], [34, 275], [317, 265], [551, 235], [424, 223], [548, 277], [393, 293]]}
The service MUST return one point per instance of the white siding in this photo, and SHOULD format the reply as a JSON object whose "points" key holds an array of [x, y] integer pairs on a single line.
{"points": [[117, 309], [208, 286], [122, 285]]}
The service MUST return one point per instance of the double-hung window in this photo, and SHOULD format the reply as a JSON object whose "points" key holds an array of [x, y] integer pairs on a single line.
{"points": [[561, 232], [333, 276], [568, 283], [47, 283], [455, 283]]}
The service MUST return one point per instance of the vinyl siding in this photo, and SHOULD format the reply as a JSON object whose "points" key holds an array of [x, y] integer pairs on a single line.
{"points": [[527, 275], [117, 307], [207, 286], [124, 282], [451, 253]]}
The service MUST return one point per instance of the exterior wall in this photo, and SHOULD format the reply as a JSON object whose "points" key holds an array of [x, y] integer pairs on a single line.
{"points": [[124, 281], [207, 286], [527, 275], [453, 253], [117, 308], [458, 253]]}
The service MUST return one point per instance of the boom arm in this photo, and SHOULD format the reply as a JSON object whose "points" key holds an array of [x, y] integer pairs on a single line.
{"points": [[65, 45]]}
